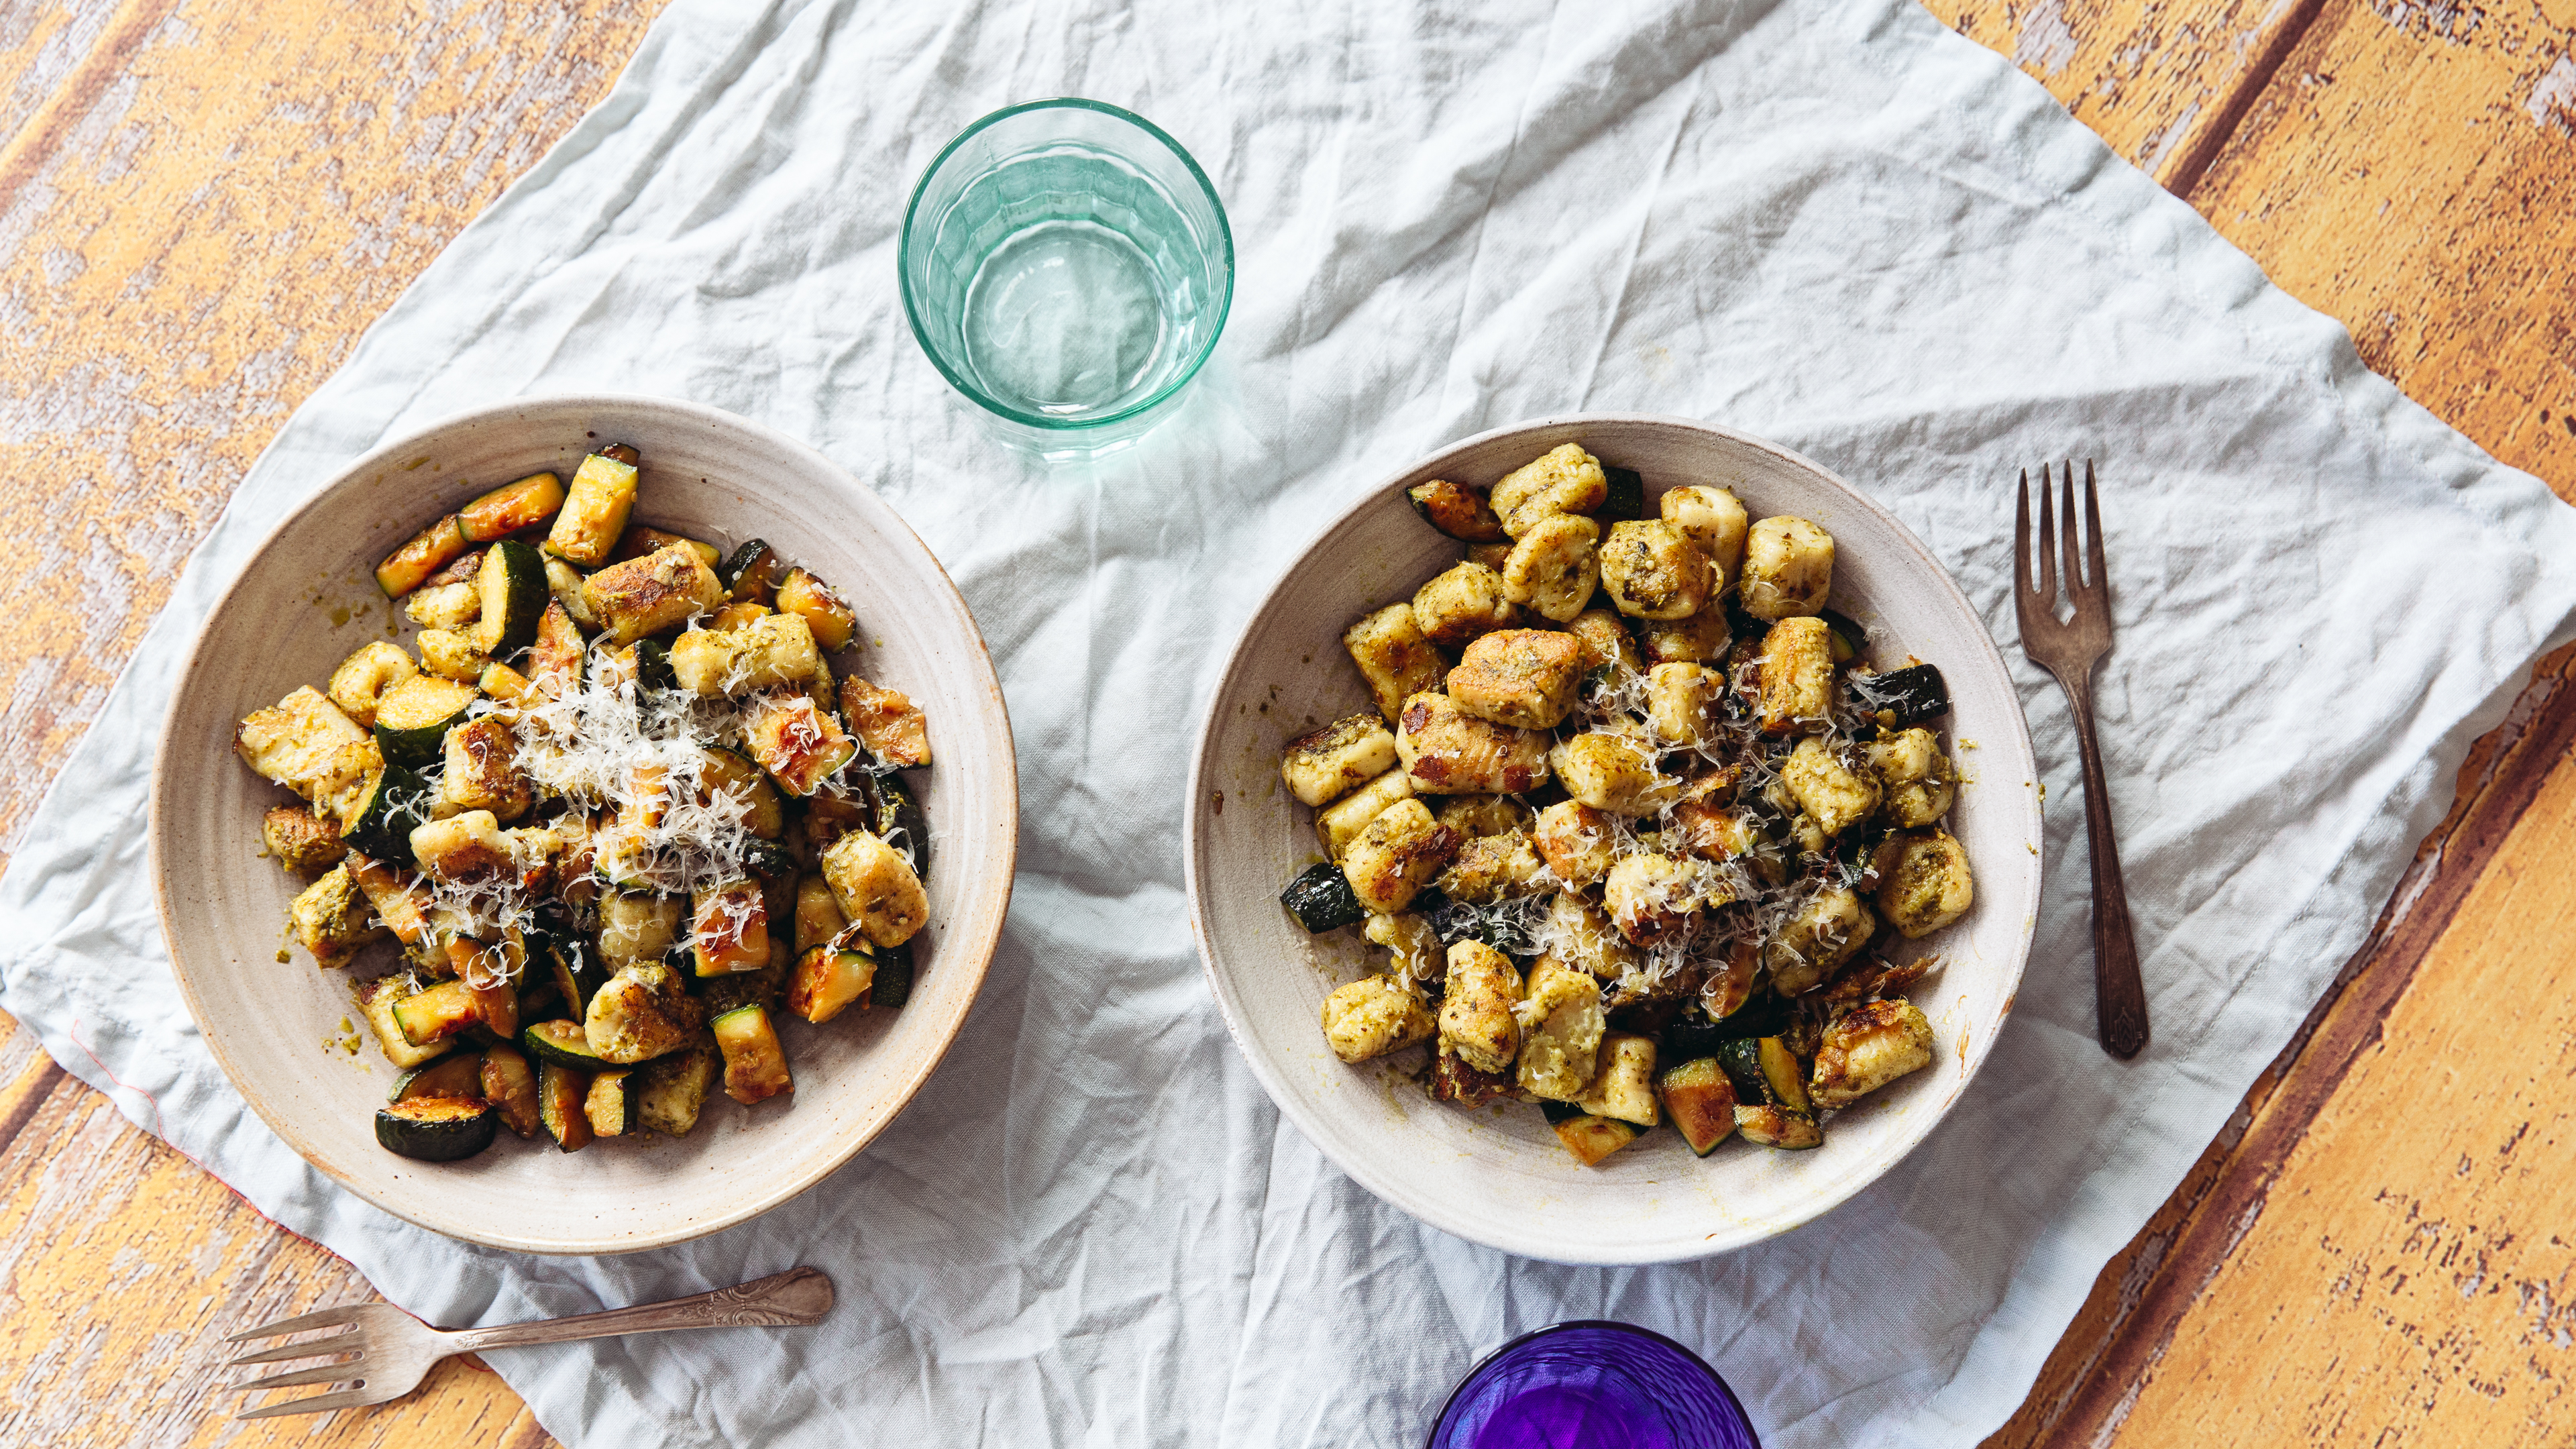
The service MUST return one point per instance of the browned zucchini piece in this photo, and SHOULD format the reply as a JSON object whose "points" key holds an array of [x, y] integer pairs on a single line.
{"points": [[434, 548], [506, 510]]}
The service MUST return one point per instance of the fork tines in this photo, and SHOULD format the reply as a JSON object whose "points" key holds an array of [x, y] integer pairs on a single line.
{"points": [[351, 1340], [346, 1313], [318, 1404], [2086, 569]]}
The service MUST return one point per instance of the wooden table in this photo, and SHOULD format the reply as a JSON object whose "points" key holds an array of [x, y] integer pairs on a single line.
{"points": [[203, 204]]}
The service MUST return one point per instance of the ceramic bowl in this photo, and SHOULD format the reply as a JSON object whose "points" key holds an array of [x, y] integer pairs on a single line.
{"points": [[1498, 1176], [282, 1030]]}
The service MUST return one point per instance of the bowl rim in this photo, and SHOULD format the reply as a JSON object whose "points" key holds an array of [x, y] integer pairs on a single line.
{"points": [[1467, 1380], [1304, 1114], [975, 393], [984, 941]]}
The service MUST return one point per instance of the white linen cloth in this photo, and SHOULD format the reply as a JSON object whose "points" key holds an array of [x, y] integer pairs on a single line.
{"points": [[1835, 225]]}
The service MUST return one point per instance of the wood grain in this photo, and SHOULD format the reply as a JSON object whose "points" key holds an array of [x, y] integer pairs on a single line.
{"points": [[2406, 168], [202, 206], [2412, 171], [2159, 81], [123, 1263]]}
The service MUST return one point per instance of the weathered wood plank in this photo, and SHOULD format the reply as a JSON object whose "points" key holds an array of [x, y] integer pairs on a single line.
{"points": [[2410, 171], [2087, 1387], [2368, 157], [2406, 1276], [202, 204], [122, 1263], [2159, 81]]}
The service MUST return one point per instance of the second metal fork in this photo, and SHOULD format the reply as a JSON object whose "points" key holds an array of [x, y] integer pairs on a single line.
{"points": [[2069, 648]]}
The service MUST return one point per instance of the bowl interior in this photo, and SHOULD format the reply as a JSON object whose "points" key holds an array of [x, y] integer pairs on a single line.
{"points": [[1498, 1176], [296, 1047]]}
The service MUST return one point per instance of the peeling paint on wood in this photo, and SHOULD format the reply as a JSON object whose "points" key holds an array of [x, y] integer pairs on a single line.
{"points": [[2152, 78], [202, 205], [2395, 175]]}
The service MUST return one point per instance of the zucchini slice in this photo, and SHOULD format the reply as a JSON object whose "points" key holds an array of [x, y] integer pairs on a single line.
{"points": [[1784, 1075], [818, 915], [755, 1065], [1322, 900], [1456, 510], [506, 510], [738, 615], [409, 566], [653, 672], [456, 1075], [1844, 636], [555, 658], [893, 984], [1589, 1138], [1701, 1102], [437, 1013], [896, 819], [799, 745], [729, 928], [828, 979], [562, 1043], [643, 538], [1765, 1073], [564, 582], [746, 573], [676, 1087], [1689, 1040], [496, 1006], [594, 512], [508, 686], [578, 972], [610, 1104], [562, 1097], [1778, 1127], [1903, 698], [436, 1129], [394, 803], [733, 772], [513, 582], [1626, 499], [378, 1004], [510, 1084], [414, 716], [824, 611]]}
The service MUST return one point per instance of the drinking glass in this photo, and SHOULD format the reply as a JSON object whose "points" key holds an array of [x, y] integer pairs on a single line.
{"points": [[1068, 267], [1593, 1385]]}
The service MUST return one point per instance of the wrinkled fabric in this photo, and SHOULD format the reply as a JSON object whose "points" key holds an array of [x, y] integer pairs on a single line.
{"points": [[1837, 226]]}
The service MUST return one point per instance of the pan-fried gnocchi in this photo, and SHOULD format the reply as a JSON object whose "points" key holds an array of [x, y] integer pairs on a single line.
{"points": [[609, 810], [1637, 820]]}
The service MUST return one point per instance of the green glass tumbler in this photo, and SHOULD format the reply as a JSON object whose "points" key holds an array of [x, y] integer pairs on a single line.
{"points": [[1067, 266]]}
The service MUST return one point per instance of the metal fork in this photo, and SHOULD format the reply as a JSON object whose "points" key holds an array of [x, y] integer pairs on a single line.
{"points": [[2069, 648], [391, 1351]]}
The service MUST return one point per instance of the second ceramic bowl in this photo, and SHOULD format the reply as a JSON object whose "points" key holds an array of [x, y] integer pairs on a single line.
{"points": [[1499, 1177]]}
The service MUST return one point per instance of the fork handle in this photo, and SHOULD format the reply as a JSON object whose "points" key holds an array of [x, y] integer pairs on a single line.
{"points": [[2119, 994], [791, 1299]]}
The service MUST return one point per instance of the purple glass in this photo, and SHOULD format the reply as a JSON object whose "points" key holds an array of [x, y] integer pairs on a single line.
{"points": [[1593, 1385]]}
